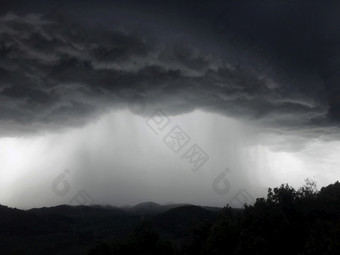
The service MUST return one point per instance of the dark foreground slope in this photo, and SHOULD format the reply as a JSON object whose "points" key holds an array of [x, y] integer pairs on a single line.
{"points": [[75, 229]]}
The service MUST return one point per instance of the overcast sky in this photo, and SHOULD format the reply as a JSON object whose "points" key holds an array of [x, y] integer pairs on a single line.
{"points": [[203, 102]]}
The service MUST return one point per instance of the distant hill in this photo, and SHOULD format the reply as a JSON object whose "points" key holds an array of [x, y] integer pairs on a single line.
{"points": [[179, 221], [146, 208], [79, 211], [151, 208]]}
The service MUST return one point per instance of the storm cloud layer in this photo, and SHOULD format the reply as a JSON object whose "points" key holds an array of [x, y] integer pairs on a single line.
{"points": [[57, 72], [93, 95]]}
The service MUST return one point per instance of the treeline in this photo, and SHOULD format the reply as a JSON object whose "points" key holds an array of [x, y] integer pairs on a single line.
{"points": [[288, 221]]}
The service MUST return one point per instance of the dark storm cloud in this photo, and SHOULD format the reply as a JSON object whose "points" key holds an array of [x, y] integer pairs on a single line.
{"points": [[302, 37], [55, 72]]}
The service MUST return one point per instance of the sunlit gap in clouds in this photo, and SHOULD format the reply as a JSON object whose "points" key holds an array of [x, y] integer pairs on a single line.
{"points": [[123, 158]]}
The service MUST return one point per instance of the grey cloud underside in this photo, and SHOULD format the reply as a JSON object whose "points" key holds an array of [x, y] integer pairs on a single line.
{"points": [[56, 74]]}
